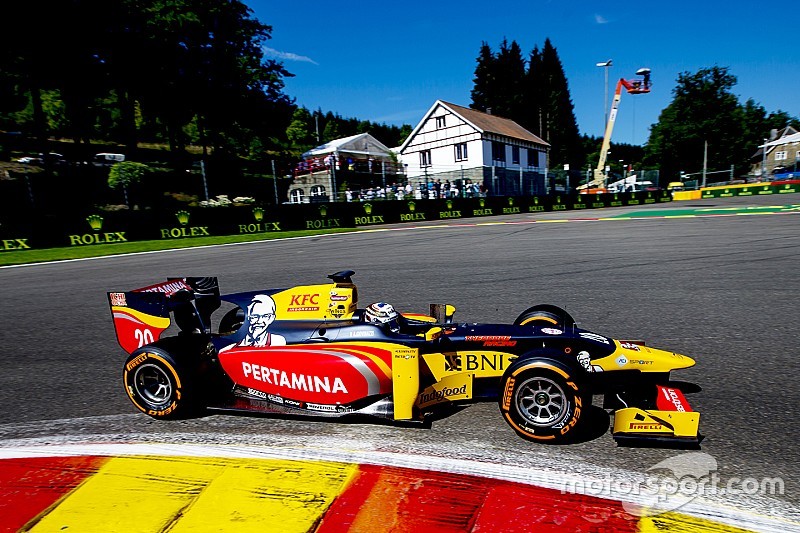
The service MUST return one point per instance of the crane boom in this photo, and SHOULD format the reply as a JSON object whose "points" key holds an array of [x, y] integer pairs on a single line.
{"points": [[636, 86]]}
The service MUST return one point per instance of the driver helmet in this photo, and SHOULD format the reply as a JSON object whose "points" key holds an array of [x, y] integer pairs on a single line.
{"points": [[381, 313]]}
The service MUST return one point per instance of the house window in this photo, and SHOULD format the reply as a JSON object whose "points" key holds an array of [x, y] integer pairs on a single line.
{"points": [[440, 122], [533, 158], [461, 151], [515, 155], [780, 156], [317, 190], [498, 151], [297, 196], [425, 158]]}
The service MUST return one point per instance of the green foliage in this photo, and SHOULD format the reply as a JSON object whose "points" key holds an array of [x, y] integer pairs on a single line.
{"points": [[126, 173], [537, 98]]}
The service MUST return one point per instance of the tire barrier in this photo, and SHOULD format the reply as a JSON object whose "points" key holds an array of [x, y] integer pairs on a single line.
{"points": [[45, 230]]}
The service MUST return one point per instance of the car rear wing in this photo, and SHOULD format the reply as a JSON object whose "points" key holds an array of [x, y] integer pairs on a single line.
{"points": [[142, 315]]}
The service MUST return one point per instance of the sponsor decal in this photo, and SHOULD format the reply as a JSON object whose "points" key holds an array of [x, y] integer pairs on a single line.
{"points": [[362, 333], [365, 221], [476, 361], [292, 403], [579, 206], [118, 299], [274, 398], [96, 223], [133, 363], [640, 362], [593, 337], [15, 244], [622, 360], [450, 214], [552, 331], [672, 400], [644, 425], [630, 346], [259, 227], [367, 208], [301, 301], [411, 217], [492, 340], [257, 393], [337, 298], [168, 287], [443, 394], [509, 390], [321, 407], [323, 224], [481, 212], [290, 380], [184, 231]]}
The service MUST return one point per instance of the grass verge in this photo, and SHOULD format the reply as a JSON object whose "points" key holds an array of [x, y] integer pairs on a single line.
{"points": [[19, 257]]}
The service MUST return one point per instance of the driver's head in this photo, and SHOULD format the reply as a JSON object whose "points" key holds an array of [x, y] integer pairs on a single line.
{"points": [[382, 314], [260, 314]]}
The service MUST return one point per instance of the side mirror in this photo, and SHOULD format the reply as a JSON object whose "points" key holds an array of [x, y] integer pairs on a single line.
{"points": [[443, 313], [433, 334]]}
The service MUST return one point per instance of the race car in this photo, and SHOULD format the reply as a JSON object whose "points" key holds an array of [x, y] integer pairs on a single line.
{"points": [[309, 350]]}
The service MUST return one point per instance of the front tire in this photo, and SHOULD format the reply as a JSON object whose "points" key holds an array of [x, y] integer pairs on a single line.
{"points": [[542, 402], [159, 385], [545, 315]]}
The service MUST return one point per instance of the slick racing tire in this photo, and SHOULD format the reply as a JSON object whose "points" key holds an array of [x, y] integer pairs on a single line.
{"points": [[542, 402], [159, 385], [545, 315]]}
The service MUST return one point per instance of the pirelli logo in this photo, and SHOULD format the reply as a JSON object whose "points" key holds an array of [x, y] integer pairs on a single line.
{"points": [[507, 394], [645, 425], [134, 362]]}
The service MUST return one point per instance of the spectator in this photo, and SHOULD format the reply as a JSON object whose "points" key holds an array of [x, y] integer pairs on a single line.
{"points": [[348, 194]]}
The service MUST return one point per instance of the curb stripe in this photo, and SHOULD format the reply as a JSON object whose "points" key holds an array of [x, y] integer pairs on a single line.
{"points": [[180, 493], [30, 486]]}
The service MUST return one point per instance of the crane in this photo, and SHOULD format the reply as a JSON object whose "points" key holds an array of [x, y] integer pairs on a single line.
{"points": [[634, 86]]}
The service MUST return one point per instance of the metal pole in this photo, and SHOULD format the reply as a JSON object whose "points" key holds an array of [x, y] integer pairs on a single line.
{"points": [[764, 160], [605, 99], [520, 180], [203, 173], [275, 182], [383, 173], [731, 172], [30, 190], [705, 161], [333, 175]]}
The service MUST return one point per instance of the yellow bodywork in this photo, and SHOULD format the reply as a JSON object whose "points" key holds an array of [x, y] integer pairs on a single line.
{"points": [[633, 420], [629, 356], [325, 301]]}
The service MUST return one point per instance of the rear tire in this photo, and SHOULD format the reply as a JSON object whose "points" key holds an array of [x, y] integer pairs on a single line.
{"points": [[543, 403], [161, 384]]}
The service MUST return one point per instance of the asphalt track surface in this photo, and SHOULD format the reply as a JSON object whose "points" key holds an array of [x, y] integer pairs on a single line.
{"points": [[720, 289]]}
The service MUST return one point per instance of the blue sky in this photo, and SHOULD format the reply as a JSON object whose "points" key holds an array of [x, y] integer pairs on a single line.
{"points": [[390, 62]]}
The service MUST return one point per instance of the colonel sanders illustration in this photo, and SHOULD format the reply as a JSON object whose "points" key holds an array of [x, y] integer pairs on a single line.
{"points": [[586, 362], [260, 314]]}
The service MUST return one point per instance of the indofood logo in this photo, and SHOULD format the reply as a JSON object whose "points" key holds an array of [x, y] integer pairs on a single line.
{"points": [[364, 221], [96, 224], [510, 210], [260, 226], [322, 223], [440, 395], [185, 230]]}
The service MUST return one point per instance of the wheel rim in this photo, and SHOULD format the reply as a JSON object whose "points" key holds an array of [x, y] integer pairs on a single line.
{"points": [[541, 401], [152, 384]]}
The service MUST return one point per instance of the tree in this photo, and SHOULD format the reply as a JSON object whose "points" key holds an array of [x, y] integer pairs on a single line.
{"points": [[703, 110], [484, 82], [126, 173], [561, 127], [299, 132]]}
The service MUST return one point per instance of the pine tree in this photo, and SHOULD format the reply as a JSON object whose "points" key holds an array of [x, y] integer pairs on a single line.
{"points": [[484, 80], [562, 127]]}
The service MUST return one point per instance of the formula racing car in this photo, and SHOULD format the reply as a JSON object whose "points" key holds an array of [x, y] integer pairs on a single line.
{"points": [[309, 350]]}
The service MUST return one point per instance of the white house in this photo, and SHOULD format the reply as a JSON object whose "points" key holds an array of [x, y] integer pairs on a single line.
{"points": [[457, 143], [778, 155]]}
